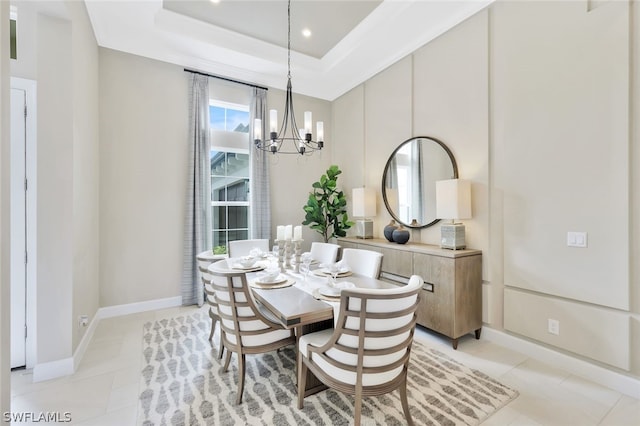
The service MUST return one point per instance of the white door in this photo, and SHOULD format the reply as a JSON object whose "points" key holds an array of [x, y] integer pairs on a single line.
{"points": [[18, 229]]}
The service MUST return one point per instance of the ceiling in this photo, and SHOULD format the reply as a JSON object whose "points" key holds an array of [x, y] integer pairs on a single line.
{"points": [[246, 40]]}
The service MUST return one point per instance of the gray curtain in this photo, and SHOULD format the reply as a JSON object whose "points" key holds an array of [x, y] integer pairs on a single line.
{"points": [[197, 230], [259, 190]]}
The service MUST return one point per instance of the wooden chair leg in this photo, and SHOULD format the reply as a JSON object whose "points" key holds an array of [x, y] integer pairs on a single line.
{"points": [[213, 329], [358, 408], [227, 361], [241, 368], [405, 403], [220, 350], [302, 380]]}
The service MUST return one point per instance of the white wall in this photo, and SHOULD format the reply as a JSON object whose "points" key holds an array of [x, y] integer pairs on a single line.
{"points": [[534, 100], [143, 177], [5, 281], [86, 166], [55, 189]]}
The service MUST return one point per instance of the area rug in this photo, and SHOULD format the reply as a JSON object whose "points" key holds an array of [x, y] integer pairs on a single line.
{"points": [[183, 383]]}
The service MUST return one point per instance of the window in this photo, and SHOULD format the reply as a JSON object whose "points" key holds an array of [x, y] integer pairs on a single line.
{"points": [[230, 174], [228, 117]]}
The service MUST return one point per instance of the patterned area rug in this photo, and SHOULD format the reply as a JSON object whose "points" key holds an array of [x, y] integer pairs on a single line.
{"points": [[183, 384]]}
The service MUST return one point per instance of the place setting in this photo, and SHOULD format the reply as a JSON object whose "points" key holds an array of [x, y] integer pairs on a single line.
{"points": [[247, 264], [270, 279], [335, 270], [331, 292]]}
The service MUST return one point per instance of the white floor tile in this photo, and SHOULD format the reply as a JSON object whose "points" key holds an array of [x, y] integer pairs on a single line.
{"points": [[626, 412]]}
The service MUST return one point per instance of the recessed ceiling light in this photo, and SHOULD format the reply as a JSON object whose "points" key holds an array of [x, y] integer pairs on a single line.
{"points": [[215, 1], [306, 32]]}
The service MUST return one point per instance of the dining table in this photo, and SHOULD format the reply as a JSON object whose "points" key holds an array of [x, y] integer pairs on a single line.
{"points": [[299, 301]]}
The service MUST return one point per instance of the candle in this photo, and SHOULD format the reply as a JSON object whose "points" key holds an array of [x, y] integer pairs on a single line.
{"points": [[288, 231], [320, 131], [280, 233], [273, 120], [257, 129], [307, 121], [297, 233]]}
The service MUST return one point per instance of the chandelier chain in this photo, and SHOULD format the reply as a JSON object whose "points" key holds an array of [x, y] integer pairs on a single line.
{"points": [[289, 40]]}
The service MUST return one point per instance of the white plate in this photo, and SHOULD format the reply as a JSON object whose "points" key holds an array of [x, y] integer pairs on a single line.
{"points": [[342, 272], [247, 268], [279, 279], [330, 291]]}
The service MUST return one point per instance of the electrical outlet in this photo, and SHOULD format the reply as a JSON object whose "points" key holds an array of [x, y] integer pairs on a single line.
{"points": [[83, 320], [553, 326], [577, 239]]}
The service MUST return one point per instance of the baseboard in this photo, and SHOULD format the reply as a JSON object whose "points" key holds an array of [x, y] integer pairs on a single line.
{"points": [[134, 308], [617, 381], [53, 369], [84, 342], [63, 367]]}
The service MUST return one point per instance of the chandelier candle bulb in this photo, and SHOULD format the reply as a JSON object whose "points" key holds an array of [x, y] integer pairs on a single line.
{"points": [[273, 121], [307, 121], [320, 133]]}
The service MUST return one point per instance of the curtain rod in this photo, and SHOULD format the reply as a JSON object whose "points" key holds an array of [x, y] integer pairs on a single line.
{"points": [[225, 78]]}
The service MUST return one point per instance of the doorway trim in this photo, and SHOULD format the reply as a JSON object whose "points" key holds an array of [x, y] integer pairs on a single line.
{"points": [[30, 87]]}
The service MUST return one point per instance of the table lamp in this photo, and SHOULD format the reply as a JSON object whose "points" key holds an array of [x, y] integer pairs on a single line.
{"points": [[364, 207], [453, 201]]}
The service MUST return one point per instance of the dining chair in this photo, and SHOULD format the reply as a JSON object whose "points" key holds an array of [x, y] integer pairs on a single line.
{"points": [[240, 248], [324, 252], [244, 328], [204, 260], [363, 262], [367, 353]]}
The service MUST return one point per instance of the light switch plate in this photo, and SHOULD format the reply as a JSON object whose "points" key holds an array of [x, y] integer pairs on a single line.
{"points": [[576, 239]]}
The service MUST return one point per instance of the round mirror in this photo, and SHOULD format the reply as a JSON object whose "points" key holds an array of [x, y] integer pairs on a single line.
{"points": [[409, 180]]}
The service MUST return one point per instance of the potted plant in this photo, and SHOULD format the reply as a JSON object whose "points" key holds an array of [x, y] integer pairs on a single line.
{"points": [[326, 208]]}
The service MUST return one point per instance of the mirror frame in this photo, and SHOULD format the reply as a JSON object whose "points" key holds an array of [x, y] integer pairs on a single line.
{"points": [[386, 169]]}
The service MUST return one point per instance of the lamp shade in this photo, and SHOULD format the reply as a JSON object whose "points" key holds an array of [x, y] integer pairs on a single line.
{"points": [[453, 199], [364, 202]]}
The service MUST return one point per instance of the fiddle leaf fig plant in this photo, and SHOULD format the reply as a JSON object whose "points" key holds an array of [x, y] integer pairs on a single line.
{"points": [[326, 208]]}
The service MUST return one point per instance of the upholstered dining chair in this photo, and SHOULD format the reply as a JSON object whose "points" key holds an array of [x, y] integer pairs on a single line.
{"points": [[244, 329], [363, 262], [240, 248], [204, 260], [367, 353], [324, 252]]}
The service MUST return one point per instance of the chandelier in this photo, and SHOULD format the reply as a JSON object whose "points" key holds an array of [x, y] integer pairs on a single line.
{"points": [[289, 139]]}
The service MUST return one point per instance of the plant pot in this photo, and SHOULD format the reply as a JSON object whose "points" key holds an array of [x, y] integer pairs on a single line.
{"points": [[388, 230], [401, 235]]}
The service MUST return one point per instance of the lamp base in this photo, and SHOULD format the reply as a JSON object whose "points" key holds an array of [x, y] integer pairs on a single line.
{"points": [[364, 228], [452, 236]]}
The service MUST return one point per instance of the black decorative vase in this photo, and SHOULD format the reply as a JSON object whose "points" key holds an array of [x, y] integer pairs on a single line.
{"points": [[401, 235], [388, 230]]}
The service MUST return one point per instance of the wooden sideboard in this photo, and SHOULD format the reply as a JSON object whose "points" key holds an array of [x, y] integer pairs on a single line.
{"points": [[451, 298]]}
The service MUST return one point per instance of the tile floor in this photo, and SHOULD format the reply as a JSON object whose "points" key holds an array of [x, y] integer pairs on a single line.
{"points": [[104, 389]]}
